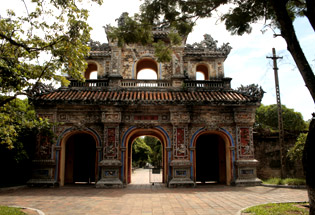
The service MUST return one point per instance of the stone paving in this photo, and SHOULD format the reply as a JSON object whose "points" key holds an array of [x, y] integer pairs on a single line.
{"points": [[141, 197]]}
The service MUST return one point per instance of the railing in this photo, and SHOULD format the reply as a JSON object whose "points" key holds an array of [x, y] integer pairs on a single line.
{"points": [[89, 83], [132, 83], [212, 84], [223, 83], [203, 84]]}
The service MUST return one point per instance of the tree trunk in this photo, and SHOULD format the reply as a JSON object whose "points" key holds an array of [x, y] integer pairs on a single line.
{"points": [[288, 33], [310, 12], [293, 45], [308, 164]]}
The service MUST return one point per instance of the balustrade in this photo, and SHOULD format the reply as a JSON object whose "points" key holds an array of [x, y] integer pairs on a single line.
{"points": [[133, 83]]}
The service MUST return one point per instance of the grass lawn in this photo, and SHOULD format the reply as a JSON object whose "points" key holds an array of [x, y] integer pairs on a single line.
{"points": [[278, 209], [4, 210], [286, 181]]}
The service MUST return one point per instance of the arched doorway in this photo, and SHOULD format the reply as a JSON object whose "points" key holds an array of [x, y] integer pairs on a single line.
{"points": [[147, 69], [212, 158], [153, 132], [91, 71], [202, 72], [79, 159]]}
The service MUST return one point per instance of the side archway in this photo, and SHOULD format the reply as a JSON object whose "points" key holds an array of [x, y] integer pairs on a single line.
{"points": [[91, 71], [202, 72], [77, 156], [212, 158]]}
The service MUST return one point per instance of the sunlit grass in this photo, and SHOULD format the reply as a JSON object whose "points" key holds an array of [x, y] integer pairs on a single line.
{"points": [[4, 210], [286, 181], [277, 209]]}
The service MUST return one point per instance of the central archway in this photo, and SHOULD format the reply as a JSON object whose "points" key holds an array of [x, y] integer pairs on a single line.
{"points": [[128, 141]]}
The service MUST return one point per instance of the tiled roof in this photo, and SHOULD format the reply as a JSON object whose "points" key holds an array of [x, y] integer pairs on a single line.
{"points": [[125, 96]]}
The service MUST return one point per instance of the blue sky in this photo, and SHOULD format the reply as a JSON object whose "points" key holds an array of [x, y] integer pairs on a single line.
{"points": [[246, 64]]}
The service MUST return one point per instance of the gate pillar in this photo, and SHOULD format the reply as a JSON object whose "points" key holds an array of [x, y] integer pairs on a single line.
{"points": [[246, 163], [110, 163], [180, 163]]}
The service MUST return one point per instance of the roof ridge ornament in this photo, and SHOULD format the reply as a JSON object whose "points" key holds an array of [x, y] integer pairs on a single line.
{"points": [[210, 44], [41, 88], [97, 46], [252, 90]]}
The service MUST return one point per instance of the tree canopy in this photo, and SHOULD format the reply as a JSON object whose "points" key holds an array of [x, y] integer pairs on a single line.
{"points": [[19, 128], [42, 43], [267, 118], [47, 41]]}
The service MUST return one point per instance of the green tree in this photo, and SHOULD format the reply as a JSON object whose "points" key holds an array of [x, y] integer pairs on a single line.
{"points": [[156, 146], [295, 153], [267, 117], [43, 44], [18, 134], [141, 152], [51, 40]]}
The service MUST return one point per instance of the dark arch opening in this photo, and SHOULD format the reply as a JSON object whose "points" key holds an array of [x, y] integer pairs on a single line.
{"points": [[80, 160], [91, 71], [202, 71], [210, 159]]}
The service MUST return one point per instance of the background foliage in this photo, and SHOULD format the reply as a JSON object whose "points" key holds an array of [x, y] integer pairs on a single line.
{"points": [[267, 118], [19, 128], [146, 150]]}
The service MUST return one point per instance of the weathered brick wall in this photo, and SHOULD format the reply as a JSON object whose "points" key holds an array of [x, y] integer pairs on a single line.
{"points": [[267, 152]]}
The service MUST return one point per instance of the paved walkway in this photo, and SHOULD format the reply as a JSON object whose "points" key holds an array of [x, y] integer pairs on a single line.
{"points": [[142, 198]]}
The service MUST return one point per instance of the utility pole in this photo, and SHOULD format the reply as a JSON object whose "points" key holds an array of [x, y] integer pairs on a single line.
{"points": [[280, 121]]}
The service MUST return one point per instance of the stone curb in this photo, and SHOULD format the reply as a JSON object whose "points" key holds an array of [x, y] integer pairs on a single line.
{"points": [[39, 212], [285, 186]]}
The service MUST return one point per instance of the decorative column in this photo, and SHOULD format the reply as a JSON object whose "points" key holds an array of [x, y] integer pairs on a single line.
{"points": [[110, 163], [246, 163], [177, 67], [180, 163]]}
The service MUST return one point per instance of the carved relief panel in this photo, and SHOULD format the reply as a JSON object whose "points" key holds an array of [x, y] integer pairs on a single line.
{"points": [[111, 141], [245, 143], [111, 117], [50, 116], [177, 63], [180, 117], [78, 117], [180, 142], [43, 148]]}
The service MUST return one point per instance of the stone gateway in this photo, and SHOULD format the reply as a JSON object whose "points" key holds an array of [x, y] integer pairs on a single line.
{"points": [[205, 126]]}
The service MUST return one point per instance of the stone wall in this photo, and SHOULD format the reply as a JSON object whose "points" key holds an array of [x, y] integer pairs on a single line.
{"points": [[267, 152]]}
